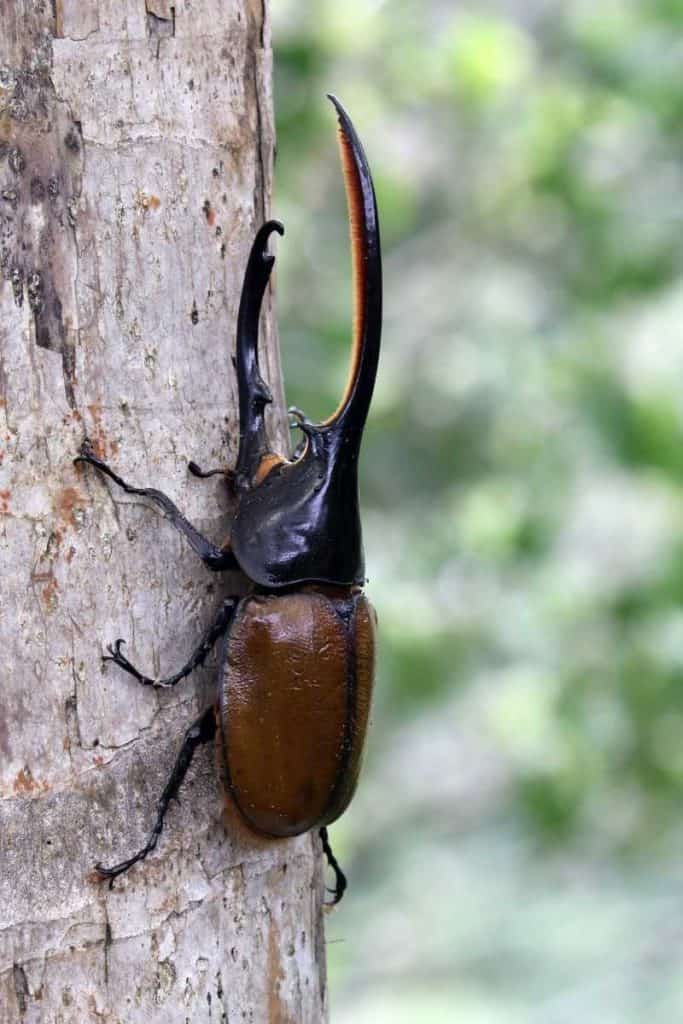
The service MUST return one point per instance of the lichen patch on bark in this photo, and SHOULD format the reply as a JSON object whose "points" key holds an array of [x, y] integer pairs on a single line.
{"points": [[41, 169]]}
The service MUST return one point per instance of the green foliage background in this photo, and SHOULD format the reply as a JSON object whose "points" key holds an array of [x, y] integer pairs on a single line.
{"points": [[515, 847]]}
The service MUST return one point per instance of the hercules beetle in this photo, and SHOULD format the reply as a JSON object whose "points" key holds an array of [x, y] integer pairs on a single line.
{"points": [[298, 659]]}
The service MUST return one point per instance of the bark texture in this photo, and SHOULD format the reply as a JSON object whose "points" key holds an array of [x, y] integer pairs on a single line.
{"points": [[135, 164]]}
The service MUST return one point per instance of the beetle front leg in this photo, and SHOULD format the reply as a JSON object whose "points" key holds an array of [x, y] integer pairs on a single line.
{"points": [[202, 731], [217, 628], [213, 557]]}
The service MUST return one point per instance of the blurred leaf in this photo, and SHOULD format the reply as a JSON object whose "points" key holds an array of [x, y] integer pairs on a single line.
{"points": [[522, 485], [488, 58]]}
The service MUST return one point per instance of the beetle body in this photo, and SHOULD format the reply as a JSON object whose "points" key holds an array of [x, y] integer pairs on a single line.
{"points": [[298, 655], [294, 703]]}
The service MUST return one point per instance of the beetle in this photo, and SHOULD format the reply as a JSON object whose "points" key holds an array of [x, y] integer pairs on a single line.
{"points": [[297, 662]]}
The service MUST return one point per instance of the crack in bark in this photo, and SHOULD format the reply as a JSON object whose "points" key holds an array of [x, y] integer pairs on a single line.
{"points": [[261, 163], [159, 28], [264, 18], [73, 724], [107, 944], [68, 785], [20, 988]]}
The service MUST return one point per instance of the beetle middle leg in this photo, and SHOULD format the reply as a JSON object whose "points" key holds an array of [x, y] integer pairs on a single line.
{"points": [[200, 732], [215, 558], [217, 628]]}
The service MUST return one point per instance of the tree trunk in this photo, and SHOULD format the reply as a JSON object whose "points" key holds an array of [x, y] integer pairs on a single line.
{"points": [[135, 165]]}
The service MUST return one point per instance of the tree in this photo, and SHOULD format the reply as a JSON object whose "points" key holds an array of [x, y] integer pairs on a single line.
{"points": [[135, 165]]}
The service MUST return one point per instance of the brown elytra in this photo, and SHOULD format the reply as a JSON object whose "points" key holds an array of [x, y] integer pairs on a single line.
{"points": [[294, 704]]}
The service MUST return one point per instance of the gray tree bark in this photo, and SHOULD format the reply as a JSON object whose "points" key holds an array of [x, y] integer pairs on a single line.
{"points": [[135, 165]]}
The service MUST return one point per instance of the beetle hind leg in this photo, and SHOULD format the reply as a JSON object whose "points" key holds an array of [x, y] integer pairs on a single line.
{"points": [[339, 876], [200, 732]]}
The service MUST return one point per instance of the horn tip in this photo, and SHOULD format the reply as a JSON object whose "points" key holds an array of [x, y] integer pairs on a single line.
{"points": [[272, 225], [339, 107]]}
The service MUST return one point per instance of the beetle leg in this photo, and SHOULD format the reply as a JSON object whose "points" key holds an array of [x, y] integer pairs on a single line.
{"points": [[213, 557], [198, 657], [204, 473], [339, 876], [202, 731]]}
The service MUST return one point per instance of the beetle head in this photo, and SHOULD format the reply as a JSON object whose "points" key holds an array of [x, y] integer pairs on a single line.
{"points": [[298, 520]]}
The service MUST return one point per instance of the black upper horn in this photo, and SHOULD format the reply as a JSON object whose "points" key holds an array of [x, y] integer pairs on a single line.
{"points": [[299, 521]]}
